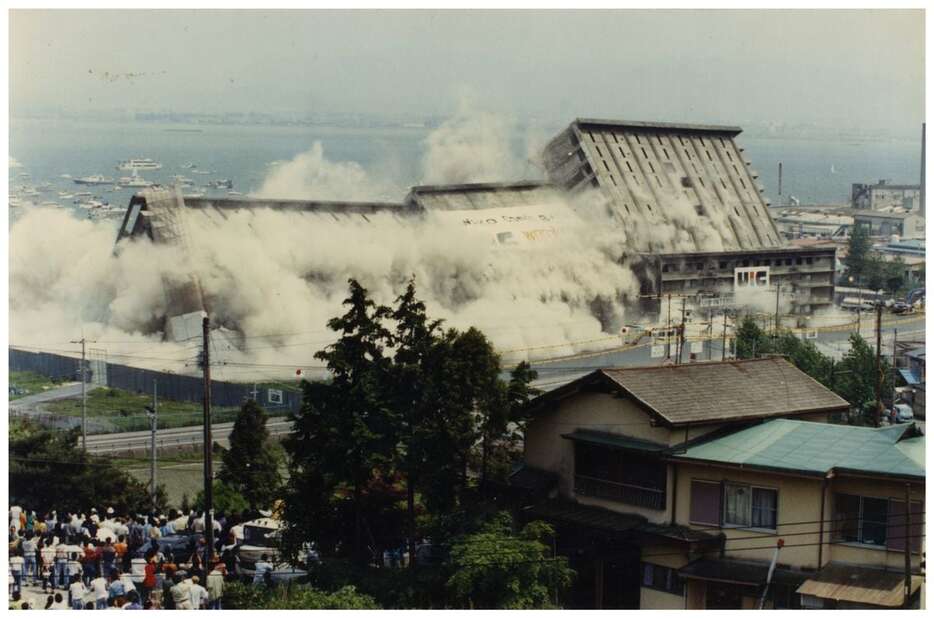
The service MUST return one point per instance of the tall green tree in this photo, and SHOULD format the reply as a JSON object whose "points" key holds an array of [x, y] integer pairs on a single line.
{"points": [[497, 568], [347, 419], [858, 250], [414, 397], [251, 465]]}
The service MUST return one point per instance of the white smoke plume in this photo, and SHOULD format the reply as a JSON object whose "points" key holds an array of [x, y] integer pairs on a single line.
{"points": [[277, 277], [473, 146], [311, 175]]}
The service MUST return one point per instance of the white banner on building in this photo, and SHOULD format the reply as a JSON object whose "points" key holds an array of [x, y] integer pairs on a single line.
{"points": [[697, 347], [658, 351], [751, 277]]}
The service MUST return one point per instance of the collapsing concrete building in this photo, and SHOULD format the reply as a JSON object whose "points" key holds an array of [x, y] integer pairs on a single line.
{"points": [[691, 206], [682, 200]]}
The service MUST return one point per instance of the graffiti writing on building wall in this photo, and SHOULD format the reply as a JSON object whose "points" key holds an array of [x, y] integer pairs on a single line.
{"points": [[509, 219]]}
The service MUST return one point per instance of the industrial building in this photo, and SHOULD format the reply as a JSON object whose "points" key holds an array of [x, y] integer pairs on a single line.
{"points": [[887, 223], [691, 205], [882, 195]]}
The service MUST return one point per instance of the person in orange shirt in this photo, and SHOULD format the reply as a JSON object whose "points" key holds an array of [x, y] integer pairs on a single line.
{"points": [[120, 546]]}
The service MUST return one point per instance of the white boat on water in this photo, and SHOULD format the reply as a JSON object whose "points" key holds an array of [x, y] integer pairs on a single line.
{"points": [[134, 181], [188, 166], [82, 194], [139, 164], [201, 172], [234, 193], [94, 179], [49, 203], [64, 195]]}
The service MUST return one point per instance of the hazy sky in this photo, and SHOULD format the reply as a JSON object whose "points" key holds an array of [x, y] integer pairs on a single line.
{"points": [[827, 67]]}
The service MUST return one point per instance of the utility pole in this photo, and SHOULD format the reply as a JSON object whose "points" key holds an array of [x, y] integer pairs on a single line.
{"points": [[878, 364], [859, 307], [778, 294], [779, 178], [723, 358], [681, 333], [894, 363], [908, 540], [208, 452], [152, 440], [709, 335], [668, 331], [84, 393]]}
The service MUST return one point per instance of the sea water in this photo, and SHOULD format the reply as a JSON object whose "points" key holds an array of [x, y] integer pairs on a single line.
{"points": [[815, 171]]}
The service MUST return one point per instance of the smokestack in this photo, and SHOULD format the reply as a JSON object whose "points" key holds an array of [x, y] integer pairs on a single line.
{"points": [[780, 178], [923, 151]]}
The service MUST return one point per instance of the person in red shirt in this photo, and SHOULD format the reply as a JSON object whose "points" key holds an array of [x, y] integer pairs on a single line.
{"points": [[90, 562], [149, 580]]}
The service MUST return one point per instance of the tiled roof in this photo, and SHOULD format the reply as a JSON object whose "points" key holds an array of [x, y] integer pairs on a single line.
{"points": [[817, 448], [731, 391], [585, 516]]}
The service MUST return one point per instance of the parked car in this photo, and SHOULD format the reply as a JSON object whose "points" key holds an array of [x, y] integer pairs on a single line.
{"points": [[900, 307], [261, 537], [903, 413]]}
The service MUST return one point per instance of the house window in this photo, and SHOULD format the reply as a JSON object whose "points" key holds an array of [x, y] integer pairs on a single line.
{"points": [[662, 578], [860, 519], [875, 521], [705, 502], [619, 475], [748, 506]]}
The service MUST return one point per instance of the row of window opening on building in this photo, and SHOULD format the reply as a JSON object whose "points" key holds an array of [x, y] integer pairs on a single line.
{"points": [[725, 265]]}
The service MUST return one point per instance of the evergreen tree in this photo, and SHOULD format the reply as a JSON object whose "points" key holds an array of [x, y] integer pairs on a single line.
{"points": [[413, 396], [251, 465], [857, 253], [346, 420]]}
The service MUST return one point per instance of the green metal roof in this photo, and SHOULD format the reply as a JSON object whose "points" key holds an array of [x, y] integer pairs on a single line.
{"points": [[615, 440], [818, 448]]}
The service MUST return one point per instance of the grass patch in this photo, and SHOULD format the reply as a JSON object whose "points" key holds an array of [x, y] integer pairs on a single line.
{"points": [[23, 384], [126, 411]]}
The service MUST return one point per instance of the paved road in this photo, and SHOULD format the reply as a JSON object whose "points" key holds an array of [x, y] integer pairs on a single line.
{"points": [[31, 402], [32, 406], [171, 437]]}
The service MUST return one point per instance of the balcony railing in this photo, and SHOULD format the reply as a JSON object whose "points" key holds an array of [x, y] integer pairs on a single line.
{"points": [[642, 496]]}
